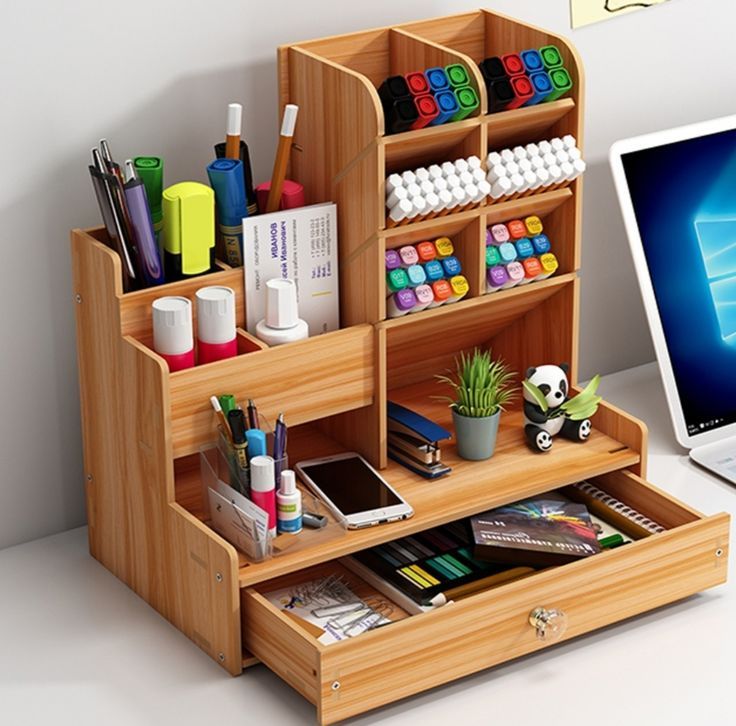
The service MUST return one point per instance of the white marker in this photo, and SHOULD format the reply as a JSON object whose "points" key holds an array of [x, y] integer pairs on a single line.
{"points": [[396, 196], [393, 182], [401, 211]]}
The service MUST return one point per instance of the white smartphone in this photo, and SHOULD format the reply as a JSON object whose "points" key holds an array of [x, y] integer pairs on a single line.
{"points": [[353, 490]]}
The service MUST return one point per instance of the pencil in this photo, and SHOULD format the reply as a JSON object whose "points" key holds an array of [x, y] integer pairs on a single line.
{"points": [[234, 124], [221, 415], [461, 591], [282, 157]]}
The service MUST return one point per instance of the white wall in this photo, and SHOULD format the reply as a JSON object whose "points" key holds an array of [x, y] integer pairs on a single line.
{"points": [[75, 71]]}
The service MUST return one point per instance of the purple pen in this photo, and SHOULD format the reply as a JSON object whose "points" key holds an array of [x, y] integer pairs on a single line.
{"points": [[142, 224]]}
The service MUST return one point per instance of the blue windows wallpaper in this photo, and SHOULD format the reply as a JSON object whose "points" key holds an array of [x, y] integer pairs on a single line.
{"points": [[684, 198]]}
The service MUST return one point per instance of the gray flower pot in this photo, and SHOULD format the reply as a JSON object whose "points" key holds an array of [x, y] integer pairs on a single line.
{"points": [[475, 437]]}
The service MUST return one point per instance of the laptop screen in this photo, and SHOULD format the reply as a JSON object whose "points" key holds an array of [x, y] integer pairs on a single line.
{"points": [[684, 199]]}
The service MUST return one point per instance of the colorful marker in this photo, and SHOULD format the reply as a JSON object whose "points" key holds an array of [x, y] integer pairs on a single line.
{"points": [[496, 278]]}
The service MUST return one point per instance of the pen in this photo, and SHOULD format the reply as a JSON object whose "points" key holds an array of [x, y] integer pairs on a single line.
{"points": [[142, 227], [221, 415], [461, 591], [282, 157], [279, 445], [232, 138], [252, 415], [236, 419]]}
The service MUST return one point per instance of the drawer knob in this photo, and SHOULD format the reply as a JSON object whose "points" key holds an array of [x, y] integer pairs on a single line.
{"points": [[549, 624]]}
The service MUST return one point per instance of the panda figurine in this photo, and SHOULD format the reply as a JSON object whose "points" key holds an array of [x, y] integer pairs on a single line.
{"points": [[541, 426]]}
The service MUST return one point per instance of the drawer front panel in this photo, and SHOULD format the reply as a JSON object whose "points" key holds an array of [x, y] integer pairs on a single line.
{"points": [[493, 627], [489, 628]]}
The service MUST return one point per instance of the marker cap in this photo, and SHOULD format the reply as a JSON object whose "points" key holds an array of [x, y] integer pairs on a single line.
{"points": [[234, 119], [551, 56], [468, 102], [393, 260], [447, 105], [226, 178], [492, 69], [541, 244], [515, 271], [492, 256], [397, 280], [427, 110], [451, 265], [513, 64], [516, 228], [533, 225], [549, 263], [151, 170], [532, 268], [416, 274], [282, 310], [401, 302], [434, 271], [424, 295], [532, 60], [442, 290], [215, 314], [500, 95], [460, 286], [497, 277], [500, 233], [262, 476], [288, 482], [457, 74], [189, 226], [524, 249], [426, 251], [508, 252], [437, 79], [172, 325]]}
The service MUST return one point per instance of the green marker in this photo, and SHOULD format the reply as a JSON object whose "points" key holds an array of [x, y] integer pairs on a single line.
{"points": [[468, 101], [397, 280], [551, 57], [561, 82], [227, 403], [614, 540], [151, 170], [492, 256], [458, 76]]}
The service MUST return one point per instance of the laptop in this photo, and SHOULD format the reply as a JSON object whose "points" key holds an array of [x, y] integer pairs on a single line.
{"points": [[677, 191]]}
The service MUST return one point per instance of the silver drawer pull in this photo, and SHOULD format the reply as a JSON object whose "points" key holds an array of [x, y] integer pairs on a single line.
{"points": [[549, 624]]}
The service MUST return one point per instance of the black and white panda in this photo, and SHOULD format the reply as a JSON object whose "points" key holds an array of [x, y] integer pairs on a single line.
{"points": [[539, 426]]}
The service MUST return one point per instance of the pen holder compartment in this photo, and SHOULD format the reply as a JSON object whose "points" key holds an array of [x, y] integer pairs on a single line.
{"points": [[242, 527]]}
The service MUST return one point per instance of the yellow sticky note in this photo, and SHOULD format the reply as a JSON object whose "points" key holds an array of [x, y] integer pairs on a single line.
{"points": [[585, 12]]}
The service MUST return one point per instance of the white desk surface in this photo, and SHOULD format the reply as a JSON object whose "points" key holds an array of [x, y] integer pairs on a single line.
{"points": [[77, 647]]}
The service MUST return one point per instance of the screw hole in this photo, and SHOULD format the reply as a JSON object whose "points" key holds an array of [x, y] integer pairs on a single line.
{"points": [[221, 656], [335, 686], [218, 577], [719, 552]]}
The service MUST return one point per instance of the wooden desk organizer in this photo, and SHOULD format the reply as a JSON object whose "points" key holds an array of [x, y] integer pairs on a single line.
{"points": [[143, 427]]}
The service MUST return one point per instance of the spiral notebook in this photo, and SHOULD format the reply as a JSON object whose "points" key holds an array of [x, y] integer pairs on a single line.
{"points": [[593, 496]]}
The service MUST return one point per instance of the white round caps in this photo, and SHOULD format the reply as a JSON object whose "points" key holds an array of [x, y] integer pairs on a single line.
{"points": [[281, 306], [215, 314], [172, 325], [262, 474]]}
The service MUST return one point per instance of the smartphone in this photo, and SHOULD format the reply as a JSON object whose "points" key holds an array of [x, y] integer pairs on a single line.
{"points": [[353, 490]]}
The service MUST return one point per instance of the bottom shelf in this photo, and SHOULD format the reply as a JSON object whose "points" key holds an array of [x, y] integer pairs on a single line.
{"points": [[512, 473]]}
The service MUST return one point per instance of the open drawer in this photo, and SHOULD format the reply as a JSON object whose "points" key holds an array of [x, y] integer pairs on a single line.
{"points": [[492, 626]]}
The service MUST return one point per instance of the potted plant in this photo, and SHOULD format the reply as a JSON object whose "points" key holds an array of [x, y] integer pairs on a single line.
{"points": [[482, 388]]}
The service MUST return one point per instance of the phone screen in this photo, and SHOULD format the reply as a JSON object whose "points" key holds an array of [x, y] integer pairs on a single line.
{"points": [[351, 485]]}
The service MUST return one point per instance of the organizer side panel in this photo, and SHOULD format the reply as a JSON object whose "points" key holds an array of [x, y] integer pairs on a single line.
{"points": [[337, 158]]}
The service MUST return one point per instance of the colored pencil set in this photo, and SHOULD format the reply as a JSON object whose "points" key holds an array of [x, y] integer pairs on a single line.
{"points": [[427, 98], [428, 563], [421, 276], [525, 79], [517, 253]]}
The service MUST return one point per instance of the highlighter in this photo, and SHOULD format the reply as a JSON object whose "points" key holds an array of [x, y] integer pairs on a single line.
{"points": [[226, 178], [444, 247], [517, 229], [408, 256], [561, 84], [496, 278], [437, 79], [189, 230], [256, 442], [533, 225], [541, 244], [451, 265], [549, 265], [499, 234], [442, 292], [416, 274], [493, 257], [396, 280], [532, 270], [513, 65], [508, 253], [460, 288], [426, 251], [150, 169], [434, 271], [524, 249], [467, 101], [424, 296], [447, 106], [393, 261], [401, 303], [516, 274]]}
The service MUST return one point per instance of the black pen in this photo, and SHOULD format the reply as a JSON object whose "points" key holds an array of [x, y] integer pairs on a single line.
{"points": [[252, 415]]}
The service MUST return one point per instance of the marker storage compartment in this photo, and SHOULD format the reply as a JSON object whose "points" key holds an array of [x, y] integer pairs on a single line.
{"points": [[143, 426]]}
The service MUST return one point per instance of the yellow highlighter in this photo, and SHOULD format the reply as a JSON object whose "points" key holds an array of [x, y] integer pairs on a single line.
{"points": [[460, 287], [189, 230], [444, 247]]}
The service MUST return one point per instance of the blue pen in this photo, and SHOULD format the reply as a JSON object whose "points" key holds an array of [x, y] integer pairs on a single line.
{"points": [[279, 446]]}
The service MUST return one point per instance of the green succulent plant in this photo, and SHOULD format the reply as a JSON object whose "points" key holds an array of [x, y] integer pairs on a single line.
{"points": [[482, 386]]}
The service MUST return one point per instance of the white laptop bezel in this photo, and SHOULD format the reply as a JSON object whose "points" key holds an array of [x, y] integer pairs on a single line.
{"points": [[648, 141]]}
